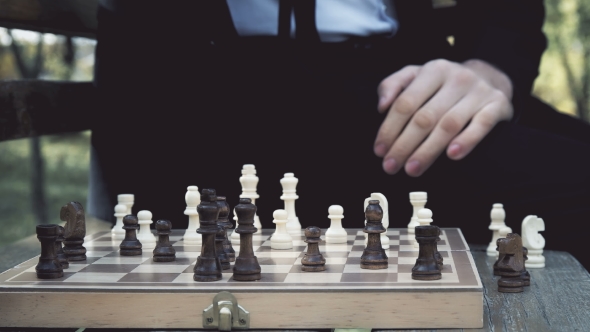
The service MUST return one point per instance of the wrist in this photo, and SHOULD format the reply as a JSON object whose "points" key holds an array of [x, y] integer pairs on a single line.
{"points": [[494, 76]]}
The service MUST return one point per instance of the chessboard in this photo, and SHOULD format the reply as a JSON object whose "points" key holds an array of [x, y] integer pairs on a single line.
{"points": [[113, 291]]}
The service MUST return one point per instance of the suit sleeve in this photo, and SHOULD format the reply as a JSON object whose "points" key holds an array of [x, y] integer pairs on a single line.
{"points": [[505, 33]]}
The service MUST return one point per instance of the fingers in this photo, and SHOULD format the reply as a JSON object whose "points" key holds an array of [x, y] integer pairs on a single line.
{"points": [[482, 123], [450, 134], [426, 83], [391, 86]]}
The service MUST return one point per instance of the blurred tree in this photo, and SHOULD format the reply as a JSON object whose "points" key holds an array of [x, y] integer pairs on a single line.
{"points": [[567, 25], [31, 70]]}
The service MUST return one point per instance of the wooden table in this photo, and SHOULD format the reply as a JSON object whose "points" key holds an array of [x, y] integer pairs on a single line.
{"points": [[557, 300]]}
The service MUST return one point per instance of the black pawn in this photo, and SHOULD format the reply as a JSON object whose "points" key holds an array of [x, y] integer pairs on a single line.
{"points": [[313, 261], [246, 267], [48, 266], [426, 267], [224, 221], [130, 246], [374, 257], [164, 252], [208, 267], [61, 255], [219, 239]]}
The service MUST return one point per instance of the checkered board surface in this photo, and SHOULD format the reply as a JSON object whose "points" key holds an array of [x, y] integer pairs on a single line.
{"points": [[106, 270]]}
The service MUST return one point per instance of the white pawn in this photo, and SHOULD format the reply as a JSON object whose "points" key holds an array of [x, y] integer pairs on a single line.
{"points": [[249, 181], [533, 241], [424, 219], [192, 199], [502, 233], [498, 215], [145, 235], [418, 200], [127, 200], [281, 238], [118, 233], [289, 184], [235, 236], [336, 234], [385, 221]]}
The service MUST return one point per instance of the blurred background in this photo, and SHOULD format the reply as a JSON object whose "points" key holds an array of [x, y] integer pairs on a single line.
{"points": [[39, 175]]}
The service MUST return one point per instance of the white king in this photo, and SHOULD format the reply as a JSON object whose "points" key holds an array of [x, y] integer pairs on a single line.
{"points": [[249, 182], [289, 184]]}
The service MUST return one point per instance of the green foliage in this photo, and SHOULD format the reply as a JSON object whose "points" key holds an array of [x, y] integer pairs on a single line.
{"points": [[66, 169]]}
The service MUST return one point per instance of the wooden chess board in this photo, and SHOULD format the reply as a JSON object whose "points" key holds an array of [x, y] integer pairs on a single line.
{"points": [[112, 291]]}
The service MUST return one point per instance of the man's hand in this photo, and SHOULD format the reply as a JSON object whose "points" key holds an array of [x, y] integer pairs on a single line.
{"points": [[440, 105]]}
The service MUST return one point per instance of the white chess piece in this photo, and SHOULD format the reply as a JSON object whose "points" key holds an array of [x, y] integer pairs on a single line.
{"points": [[235, 237], [533, 241], [424, 219], [249, 181], [336, 234], [385, 221], [118, 233], [289, 184], [498, 216], [145, 235], [192, 199], [418, 200], [127, 200], [502, 233], [281, 238]]}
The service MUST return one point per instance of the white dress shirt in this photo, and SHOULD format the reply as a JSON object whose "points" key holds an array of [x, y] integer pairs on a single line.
{"points": [[336, 20]]}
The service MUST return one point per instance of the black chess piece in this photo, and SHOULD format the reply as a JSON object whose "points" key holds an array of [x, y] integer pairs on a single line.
{"points": [[510, 264], [75, 230], [59, 252], [219, 239], [524, 275], [313, 261], [374, 257], [130, 246], [426, 267], [164, 252], [246, 267], [208, 267], [48, 266], [224, 221], [437, 255]]}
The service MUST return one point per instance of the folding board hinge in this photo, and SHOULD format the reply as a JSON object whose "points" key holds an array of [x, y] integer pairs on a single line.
{"points": [[225, 313]]}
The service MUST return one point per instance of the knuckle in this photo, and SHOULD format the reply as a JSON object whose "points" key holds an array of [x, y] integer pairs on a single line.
{"points": [[439, 64], [450, 125], [404, 105], [464, 77], [423, 120], [487, 119]]}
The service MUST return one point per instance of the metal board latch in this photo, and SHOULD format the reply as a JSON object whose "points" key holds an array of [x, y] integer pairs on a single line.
{"points": [[225, 313]]}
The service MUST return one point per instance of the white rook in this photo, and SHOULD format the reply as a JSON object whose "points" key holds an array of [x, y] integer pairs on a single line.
{"points": [[249, 182], [418, 200], [145, 235], [424, 219], [118, 233], [336, 233], [289, 184], [192, 199], [127, 200]]}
